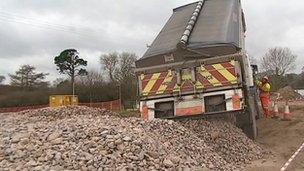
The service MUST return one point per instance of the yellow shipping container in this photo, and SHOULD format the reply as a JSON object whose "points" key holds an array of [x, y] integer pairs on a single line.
{"points": [[63, 100]]}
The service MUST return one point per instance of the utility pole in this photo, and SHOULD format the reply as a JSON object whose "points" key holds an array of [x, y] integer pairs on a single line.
{"points": [[91, 86], [119, 95]]}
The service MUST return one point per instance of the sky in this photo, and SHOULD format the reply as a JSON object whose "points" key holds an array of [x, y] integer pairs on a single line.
{"points": [[35, 31]]}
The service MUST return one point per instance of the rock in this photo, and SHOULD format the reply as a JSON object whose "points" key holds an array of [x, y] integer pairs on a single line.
{"points": [[38, 168], [104, 132], [215, 135], [170, 122], [118, 142], [57, 141], [8, 151], [168, 163], [110, 137], [95, 139], [91, 168], [58, 156], [120, 147], [127, 138], [20, 153], [41, 159], [103, 152], [17, 137], [152, 154], [32, 163], [111, 145], [24, 141], [54, 135], [174, 159], [141, 155], [88, 156], [211, 166]]}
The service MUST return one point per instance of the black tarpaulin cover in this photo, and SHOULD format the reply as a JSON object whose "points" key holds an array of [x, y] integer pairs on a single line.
{"points": [[217, 31]]}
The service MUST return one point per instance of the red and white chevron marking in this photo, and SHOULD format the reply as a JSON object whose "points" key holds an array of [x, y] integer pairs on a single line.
{"points": [[292, 158]]}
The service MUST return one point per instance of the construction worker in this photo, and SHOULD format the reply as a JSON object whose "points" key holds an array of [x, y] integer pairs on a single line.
{"points": [[264, 87]]}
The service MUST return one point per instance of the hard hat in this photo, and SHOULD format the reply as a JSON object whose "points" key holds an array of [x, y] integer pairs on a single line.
{"points": [[266, 78]]}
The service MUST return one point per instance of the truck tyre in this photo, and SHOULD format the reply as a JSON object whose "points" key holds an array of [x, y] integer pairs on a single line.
{"points": [[247, 120], [256, 106], [251, 127]]}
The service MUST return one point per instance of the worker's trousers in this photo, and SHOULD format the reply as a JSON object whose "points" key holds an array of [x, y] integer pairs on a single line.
{"points": [[265, 105]]}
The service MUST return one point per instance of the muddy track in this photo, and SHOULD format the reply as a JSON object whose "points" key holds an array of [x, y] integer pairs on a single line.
{"points": [[283, 138]]}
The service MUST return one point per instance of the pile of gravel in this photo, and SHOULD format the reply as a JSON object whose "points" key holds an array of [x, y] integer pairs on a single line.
{"points": [[227, 140], [83, 138], [288, 93]]}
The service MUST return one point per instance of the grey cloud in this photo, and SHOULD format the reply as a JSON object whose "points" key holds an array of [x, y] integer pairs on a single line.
{"points": [[101, 26], [274, 23], [269, 21]]}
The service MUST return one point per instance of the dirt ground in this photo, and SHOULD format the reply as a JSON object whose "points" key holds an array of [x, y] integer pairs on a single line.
{"points": [[282, 138]]}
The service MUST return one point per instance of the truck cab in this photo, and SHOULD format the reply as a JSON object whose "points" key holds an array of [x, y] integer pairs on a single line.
{"points": [[197, 67]]}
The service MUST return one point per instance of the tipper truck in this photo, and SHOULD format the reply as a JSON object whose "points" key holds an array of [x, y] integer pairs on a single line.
{"points": [[197, 67]]}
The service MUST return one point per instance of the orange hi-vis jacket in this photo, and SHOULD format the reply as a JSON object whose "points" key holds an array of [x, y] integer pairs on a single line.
{"points": [[264, 88]]}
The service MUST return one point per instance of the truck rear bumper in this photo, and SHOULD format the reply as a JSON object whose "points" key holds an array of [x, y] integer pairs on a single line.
{"points": [[194, 105], [212, 115]]}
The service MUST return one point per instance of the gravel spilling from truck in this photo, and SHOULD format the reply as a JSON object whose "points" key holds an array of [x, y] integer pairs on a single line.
{"points": [[83, 138], [227, 140]]}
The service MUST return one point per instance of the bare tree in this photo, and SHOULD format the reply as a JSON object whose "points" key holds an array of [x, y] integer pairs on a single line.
{"points": [[91, 85], [2, 78], [109, 63], [27, 78], [278, 61], [125, 71], [92, 79], [120, 69], [119, 66]]}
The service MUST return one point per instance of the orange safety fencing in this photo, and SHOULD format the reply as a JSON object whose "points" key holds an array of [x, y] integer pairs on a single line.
{"points": [[291, 102], [110, 105], [21, 108]]}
